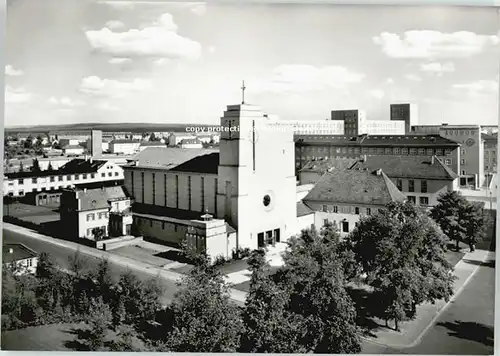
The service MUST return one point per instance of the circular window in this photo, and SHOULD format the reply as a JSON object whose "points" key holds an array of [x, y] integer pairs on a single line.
{"points": [[267, 200]]}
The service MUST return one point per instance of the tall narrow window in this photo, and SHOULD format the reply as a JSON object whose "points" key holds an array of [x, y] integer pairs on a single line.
{"points": [[165, 189], [142, 185], [154, 188], [176, 191], [411, 185], [215, 195], [189, 192], [132, 183], [423, 186], [399, 184], [202, 193]]}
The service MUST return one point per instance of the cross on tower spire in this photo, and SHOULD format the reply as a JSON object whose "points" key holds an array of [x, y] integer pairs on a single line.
{"points": [[243, 87]]}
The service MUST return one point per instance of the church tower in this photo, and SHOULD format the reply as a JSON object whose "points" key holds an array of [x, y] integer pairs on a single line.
{"points": [[256, 190]]}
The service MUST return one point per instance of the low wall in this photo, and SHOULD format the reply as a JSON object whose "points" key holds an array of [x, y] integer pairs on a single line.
{"points": [[111, 244]]}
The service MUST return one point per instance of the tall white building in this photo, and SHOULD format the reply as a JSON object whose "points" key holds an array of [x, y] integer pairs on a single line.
{"points": [[356, 123]]}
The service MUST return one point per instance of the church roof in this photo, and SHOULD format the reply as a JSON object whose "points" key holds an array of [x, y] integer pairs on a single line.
{"points": [[180, 159], [355, 188], [412, 167]]}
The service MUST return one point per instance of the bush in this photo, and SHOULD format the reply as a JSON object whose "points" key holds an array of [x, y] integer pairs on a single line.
{"points": [[220, 260]]}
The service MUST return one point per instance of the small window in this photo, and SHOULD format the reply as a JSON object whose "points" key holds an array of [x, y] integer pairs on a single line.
{"points": [[68, 177], [116, 174], [325, 208], [325, 222], [399, 184], [77, 176], [33, 180], [368, 211], [92, 175], [411, 185], [335, 209], [84, 176], [411, 199], [52, 179], [447, 161], [20, 181], [462, 161], [103, 175], [60, 178], [356, 210], [423, 186], [424, 201], [345, 226]]}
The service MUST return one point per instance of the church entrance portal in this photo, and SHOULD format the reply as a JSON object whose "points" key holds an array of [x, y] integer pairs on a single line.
{"points": [[269, 237]]}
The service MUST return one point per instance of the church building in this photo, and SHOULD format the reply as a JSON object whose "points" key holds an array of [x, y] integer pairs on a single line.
{"points": [[243, 196]]}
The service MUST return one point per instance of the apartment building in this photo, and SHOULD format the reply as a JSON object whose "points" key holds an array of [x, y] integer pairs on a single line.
{"points": [[76, 171], [126, 147], [310, 147], [106, 209], [343, 196]]}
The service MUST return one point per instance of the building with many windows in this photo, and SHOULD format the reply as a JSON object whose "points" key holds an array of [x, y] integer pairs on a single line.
{"points": [[310, 147], [125, 147], [408, 113], [490, 152], [106, 209], [420, 179], [343, 196], [355, 123], [76, 171]]}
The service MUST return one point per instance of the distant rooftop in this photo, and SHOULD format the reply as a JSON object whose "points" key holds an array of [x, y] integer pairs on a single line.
{"points": [[355, 188], [75, 166], [375, 140], [99, 198]]}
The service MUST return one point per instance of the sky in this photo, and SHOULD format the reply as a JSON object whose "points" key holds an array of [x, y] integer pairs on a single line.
{"points": [[83, 61]]}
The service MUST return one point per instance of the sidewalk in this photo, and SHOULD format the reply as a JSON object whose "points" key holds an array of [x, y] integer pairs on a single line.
{"points": [[126, 262], [427, 314]]}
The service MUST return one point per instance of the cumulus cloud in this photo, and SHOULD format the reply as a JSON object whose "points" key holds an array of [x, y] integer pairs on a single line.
{"points": [[434, 44], [16, 95], [302, 77], [413, 77], [64, 101], [199, 9], [119, 60], [113, 88], [211, 49], [478, 87], [158, 40], [113, 24], [107, 107], [11, 71], [437, 67], [377, 93], [389, 81], [121, 5]]}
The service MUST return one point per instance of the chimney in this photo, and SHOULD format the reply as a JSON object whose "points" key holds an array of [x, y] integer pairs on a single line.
{"points": [[11, 250], [432, 160]]}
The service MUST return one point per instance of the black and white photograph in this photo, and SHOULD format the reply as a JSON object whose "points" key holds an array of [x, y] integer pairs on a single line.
{"points": [[249, 177]]}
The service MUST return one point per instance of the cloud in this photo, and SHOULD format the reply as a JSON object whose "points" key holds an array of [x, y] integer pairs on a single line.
{"points": [[478, 87], [107, 107], [437, 67], [211, 49], [112, 88], [119, 60], [64, 101], [434, 44], [302, 77], [160, 61], [121, 5], [413, 77], [389, 81], [16, 95], [199, 9], [158, 40], [377, 93], [11, 71], [113, 24]]}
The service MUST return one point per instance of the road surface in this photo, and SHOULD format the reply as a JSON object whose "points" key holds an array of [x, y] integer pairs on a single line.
{"points": [[464, 328], [61, 256]]}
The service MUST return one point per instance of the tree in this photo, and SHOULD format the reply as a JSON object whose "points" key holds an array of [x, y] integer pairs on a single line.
{"points": [[98, 233], [204, 319], [460, 219], [99, 320], [46, 268], [402, 252], [313, 274], [36, 165], [268, 326]]}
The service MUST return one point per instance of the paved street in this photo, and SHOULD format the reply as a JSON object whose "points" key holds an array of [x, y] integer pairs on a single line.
{"points": [[464, 328], [61, 255]]}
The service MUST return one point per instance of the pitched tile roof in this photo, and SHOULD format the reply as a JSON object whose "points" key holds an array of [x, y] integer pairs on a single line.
{"points": [[303, 209], [323, 165], [99, 198], [355, 187], [413, 167], [203, 160], [16, 252], [376, 140]]}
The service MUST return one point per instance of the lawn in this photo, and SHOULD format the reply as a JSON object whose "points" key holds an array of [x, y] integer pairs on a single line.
{"points": [[54, 337]]}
